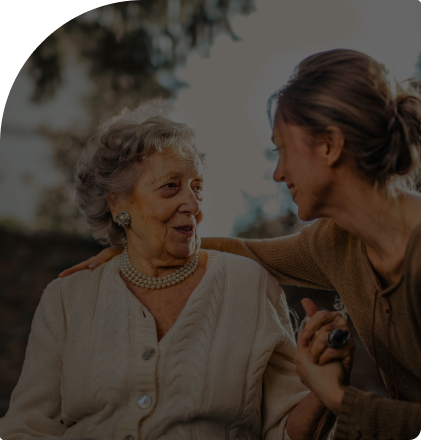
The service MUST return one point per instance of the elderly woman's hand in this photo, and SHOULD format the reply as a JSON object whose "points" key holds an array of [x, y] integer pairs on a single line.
{"points": [[319, 324], [93, 262]]}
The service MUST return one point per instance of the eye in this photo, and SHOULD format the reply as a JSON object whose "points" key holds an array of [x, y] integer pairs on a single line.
{"points": [[170, 185]]}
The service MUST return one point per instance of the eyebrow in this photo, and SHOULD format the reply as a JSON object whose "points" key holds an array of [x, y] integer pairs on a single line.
{"points": [[173, 175]]}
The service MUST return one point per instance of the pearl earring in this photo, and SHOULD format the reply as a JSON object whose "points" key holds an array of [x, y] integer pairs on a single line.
{"points": [[122, 218]]}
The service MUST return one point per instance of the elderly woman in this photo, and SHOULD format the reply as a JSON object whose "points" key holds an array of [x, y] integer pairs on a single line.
{"points": [[166, 341]]}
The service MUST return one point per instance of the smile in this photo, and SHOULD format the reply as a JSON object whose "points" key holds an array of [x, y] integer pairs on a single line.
{"points": [[187, 230]]}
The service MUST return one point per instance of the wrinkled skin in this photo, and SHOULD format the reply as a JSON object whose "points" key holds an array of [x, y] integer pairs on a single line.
{"points": [[165, 210]]}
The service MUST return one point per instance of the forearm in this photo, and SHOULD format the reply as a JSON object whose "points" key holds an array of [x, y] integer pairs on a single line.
{"points": [[287, 258], [310, 419]]}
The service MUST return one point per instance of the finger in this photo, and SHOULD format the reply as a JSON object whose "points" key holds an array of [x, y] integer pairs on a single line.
{"points": [[346, 363], [309, 307], [321, 353], [344, 354], [93, 262], [322, 317], [319, 342], [338, 322], [302, 344], [338, 353], [112, 252], [76, 268], [335, 354], [318, 346]]}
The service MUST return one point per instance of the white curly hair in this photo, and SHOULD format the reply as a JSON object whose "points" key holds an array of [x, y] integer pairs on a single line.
{"points": [[108, 164]]}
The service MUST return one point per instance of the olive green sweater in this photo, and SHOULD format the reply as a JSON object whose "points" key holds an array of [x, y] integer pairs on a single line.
{"points": [[325, 256]]}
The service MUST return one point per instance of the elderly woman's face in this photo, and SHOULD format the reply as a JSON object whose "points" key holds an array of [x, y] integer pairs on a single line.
{"points": [[165, 206]]}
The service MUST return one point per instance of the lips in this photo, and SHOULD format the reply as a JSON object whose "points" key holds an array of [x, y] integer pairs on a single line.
{"points": [[187, 229]]}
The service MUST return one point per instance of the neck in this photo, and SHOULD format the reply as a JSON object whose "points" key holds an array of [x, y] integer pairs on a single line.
{"points": [[383, 223], [157, 265]]}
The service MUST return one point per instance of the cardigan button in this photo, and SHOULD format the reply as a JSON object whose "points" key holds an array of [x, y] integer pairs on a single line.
{"points": [[150, 352], [145, 401], [129, 437]]}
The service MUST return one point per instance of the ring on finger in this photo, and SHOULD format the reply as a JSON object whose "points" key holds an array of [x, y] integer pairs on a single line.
{"points": [[337, 338]]}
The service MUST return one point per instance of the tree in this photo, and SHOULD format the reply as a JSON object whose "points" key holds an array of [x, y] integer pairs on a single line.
{"points": [[130, 51]]}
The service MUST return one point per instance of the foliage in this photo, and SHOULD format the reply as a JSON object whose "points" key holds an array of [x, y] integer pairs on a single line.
{"points": [[11, 224], [130, 51], [129, 42]]}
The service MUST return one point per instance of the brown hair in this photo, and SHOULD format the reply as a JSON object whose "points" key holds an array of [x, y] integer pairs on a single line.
{"points": [[350, 90]]}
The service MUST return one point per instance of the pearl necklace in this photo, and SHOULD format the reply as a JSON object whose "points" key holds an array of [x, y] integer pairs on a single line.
{"points": [[153, 283]]}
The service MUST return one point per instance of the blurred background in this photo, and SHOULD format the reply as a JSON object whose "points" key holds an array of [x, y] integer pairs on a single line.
{"points": [[218, 61]]}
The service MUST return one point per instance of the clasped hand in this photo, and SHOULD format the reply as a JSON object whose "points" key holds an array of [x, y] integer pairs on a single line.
{"points": [[324, 370]]}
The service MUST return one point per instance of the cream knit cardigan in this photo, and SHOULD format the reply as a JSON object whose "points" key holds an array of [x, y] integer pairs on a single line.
{"points": [[223, 371]]}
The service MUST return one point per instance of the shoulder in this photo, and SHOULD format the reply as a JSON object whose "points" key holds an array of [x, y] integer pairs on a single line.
{"points": [[239, 265], [244, 274], [81, 286], [331, 243], [325, 230]]}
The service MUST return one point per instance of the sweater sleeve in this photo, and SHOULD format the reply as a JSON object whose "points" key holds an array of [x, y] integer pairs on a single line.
{"points": [[369, 415], [35, 406], [291, 259]]}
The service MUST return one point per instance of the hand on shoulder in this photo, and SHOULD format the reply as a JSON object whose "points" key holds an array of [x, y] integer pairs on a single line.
{"points": [[93, 262]]}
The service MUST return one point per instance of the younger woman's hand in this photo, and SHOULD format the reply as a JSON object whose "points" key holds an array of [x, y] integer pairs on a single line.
{"points": [[93, 262], [319, 324], [327, 382]]}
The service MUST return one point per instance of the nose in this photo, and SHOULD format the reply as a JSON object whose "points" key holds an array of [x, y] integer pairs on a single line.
{"points": [[277, 174], [189, 203]]}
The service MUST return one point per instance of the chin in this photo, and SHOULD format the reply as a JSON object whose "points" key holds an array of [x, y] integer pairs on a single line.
{"points": [[305, 215], [185, 250]]}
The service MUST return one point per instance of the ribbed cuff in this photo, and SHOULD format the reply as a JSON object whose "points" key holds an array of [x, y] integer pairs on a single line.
{"points": [[347, 427]]}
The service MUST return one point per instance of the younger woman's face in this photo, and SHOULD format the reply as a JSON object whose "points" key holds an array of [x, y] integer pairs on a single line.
{"points": [[303, 168]]}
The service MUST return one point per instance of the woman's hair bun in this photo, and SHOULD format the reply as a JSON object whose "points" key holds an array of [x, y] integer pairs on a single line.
{"points": [[404, 132]]}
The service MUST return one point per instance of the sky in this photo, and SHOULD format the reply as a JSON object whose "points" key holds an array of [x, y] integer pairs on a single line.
{"points": [[225, 101]]}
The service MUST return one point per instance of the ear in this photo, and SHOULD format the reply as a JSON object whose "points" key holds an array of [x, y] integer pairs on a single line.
{"points": [[334, 146], [114, 208]]}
